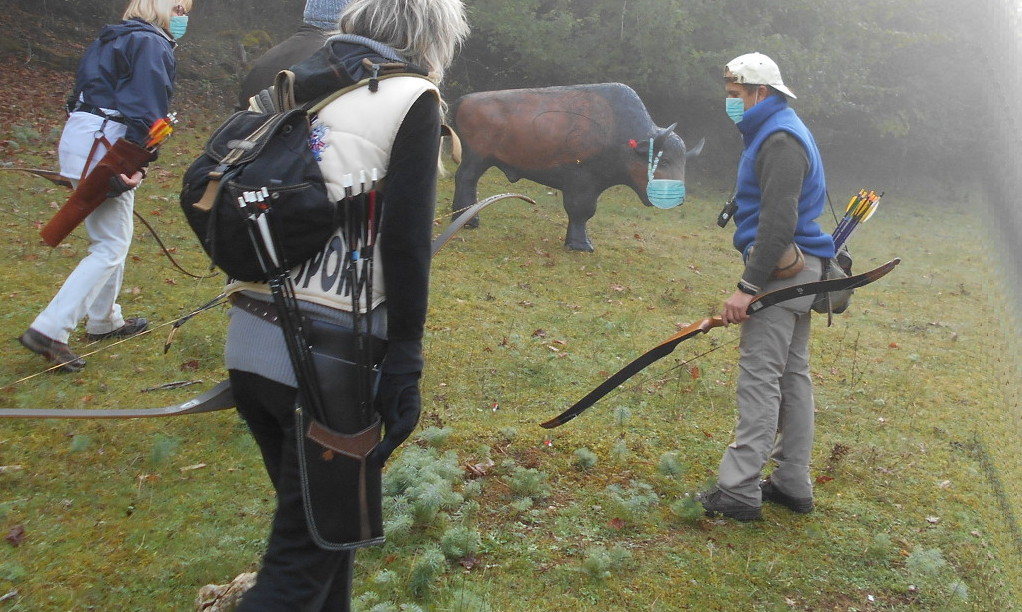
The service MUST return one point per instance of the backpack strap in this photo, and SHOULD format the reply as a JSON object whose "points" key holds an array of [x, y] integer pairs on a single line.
{"points": [[373, 82], [284, 91]]}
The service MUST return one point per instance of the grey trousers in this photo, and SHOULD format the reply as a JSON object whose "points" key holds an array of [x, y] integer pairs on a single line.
{"points": [[775, 399]]}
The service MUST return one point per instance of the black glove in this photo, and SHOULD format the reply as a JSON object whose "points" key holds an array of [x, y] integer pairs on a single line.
{"points": [[399, 403], [117, 187]]}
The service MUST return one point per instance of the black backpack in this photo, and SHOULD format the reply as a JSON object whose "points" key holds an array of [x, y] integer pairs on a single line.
{"points": [[261, 158]]}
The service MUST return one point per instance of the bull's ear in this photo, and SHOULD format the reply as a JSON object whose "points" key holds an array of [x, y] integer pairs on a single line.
{"points": [[640, 146], [664, 133]]}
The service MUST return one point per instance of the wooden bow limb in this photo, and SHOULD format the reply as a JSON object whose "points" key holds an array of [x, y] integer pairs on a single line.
{"points": [[50, 175]]}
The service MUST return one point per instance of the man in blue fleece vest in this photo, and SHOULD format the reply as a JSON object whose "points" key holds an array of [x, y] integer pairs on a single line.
{"points": [[780, 192]]}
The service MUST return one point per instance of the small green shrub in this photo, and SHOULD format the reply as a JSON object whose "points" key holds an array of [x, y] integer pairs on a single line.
{"points": [[631, 504], [925, 563], [163, 448], [670, 465], [80, 442], [585, 459], [460, 542], [435, 436], [600, 563], [622, 414], [687, 508], [428, 566], [619, 452], [528, 482]]}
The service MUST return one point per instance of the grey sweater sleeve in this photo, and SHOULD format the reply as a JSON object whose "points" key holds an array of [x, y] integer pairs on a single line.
{"points": [[781, 165]]}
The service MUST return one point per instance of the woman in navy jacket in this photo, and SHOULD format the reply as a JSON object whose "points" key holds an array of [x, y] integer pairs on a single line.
{"points": [[124, 84]]}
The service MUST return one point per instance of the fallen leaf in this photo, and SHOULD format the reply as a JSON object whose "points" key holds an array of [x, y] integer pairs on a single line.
{"points": [[617, 523], [16, 535], [478, 470]]}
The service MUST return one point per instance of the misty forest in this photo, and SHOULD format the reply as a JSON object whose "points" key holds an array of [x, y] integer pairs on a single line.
{"points": [[913, 98]]}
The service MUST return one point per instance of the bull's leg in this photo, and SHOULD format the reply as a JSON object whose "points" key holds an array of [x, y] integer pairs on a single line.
{"points": [[466, 186], [580, 208]]}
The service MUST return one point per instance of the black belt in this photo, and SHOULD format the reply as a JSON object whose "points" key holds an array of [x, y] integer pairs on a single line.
{"points": [[267, 311], [95, 110]]}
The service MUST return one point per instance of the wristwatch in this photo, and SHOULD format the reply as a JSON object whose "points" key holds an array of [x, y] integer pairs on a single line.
{"points": [[748, 288]]}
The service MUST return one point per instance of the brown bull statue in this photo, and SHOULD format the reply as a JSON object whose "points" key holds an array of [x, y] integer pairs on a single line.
{"points": [[580, 139]]}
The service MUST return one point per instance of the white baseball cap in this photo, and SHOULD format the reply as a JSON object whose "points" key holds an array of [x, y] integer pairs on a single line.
{"points": [[758, 69]]}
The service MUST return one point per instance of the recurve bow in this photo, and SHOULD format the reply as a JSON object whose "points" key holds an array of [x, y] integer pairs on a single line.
{"points": [[217, 398], [764, 300]]}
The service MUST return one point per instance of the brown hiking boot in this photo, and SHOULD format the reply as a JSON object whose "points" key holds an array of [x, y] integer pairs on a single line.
{"points": [[131, 327], [55, 352]]}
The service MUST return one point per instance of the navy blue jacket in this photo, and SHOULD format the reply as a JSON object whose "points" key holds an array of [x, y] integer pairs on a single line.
{"points": [[130, 68]]}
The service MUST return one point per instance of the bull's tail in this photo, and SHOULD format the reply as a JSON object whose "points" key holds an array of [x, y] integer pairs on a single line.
{"points": [[446, 130]]}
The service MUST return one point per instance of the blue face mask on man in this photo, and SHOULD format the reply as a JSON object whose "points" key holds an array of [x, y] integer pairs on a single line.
{"points": [[178, 26], [735, 108]]}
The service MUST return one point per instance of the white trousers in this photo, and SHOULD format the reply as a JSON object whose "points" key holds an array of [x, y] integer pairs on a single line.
{"points": [[775, 399], [91, 290]]}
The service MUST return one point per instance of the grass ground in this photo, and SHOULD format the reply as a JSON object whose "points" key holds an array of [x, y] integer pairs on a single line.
{"points": [[915, 459]]}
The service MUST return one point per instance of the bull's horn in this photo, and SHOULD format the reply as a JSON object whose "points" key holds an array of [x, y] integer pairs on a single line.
{"points": [[696, 150]]}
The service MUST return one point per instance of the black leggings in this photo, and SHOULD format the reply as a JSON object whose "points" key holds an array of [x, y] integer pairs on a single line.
{"points": [[296, 575]]}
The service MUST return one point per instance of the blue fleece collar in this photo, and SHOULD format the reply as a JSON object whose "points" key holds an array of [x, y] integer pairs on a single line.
{"points": [[756, 116]]}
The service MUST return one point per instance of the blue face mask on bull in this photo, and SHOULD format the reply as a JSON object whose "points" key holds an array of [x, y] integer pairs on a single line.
{"points": [[663, 193]]}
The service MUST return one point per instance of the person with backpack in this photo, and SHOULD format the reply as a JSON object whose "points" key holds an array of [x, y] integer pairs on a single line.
{"points": [[780, 192], [319, 20], [378, 145], [124, 84]]}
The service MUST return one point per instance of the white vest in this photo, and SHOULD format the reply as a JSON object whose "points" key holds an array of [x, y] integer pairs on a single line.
{"points": [[352, 135]]}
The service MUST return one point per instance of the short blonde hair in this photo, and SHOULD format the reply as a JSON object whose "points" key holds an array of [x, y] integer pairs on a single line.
{"points": [[156, 12], [427, 33]]}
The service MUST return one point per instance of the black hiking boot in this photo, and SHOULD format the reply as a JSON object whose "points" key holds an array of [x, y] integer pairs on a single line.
{"points": [[717, 502], [801, 505]]}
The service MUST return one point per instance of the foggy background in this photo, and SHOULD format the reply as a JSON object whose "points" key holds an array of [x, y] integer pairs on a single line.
{"points": [[916, 96]]}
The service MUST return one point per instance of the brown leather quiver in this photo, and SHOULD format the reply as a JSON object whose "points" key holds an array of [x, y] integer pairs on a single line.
{"points": [[124, 157]]}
